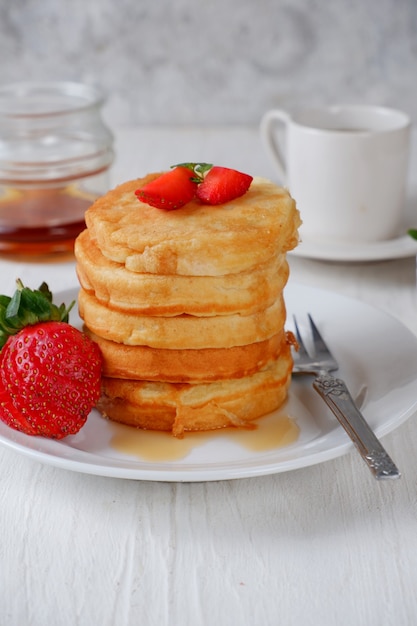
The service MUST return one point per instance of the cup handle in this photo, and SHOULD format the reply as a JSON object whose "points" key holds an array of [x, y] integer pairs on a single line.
{"points": [[267, 127]]}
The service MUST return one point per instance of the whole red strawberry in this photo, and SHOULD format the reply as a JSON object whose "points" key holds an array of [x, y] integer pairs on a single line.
{"points": [[50, 372]]}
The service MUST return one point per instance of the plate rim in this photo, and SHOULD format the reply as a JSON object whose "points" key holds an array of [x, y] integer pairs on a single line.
{"points": [[39, 452]]}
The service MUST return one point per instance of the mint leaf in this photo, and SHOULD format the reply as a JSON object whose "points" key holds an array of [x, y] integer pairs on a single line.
{"points": [[199, 169]]}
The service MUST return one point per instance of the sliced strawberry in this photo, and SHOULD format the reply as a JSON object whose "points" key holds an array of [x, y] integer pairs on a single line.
{"points": [[169, 191], [222, 184]]}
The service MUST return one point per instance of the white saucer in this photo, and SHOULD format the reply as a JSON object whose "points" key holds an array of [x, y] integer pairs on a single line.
{"points": [[401, 247]]}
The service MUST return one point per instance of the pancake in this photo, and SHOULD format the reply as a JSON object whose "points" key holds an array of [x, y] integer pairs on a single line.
{"points": [[195, 240], [118, 288], [187, 306], [203, 365], [180, 407], [181, 331]]}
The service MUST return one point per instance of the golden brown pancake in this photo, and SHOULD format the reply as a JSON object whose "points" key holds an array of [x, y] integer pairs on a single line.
{"points": [[195, 240], [180, 407], [156, 294], [202, 365], [181, 331]]}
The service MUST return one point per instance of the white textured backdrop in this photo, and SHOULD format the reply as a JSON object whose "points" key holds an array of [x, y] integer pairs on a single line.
{"points": [[216, 62]]}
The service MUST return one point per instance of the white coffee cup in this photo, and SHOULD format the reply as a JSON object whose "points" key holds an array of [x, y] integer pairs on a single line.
{"points": [[345, 166]]}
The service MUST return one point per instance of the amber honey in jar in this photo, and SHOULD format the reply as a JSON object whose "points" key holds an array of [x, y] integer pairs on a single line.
{"points": [[55, 155]]}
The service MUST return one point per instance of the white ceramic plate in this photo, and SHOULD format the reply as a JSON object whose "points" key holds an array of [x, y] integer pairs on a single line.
{"points": [[401, 247], [379, 362]]}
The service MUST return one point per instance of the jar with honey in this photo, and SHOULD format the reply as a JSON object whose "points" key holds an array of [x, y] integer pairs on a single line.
{"points": [[55, 155]]}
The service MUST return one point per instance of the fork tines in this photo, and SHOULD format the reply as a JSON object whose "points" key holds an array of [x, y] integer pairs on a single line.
{"points": [[320, 352]]}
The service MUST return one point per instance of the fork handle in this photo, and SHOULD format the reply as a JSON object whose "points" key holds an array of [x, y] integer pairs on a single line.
{"points": [[336, 395]]}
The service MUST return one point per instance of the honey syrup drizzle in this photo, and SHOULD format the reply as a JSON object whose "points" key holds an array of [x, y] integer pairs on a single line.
{"points": [[270, 432]]}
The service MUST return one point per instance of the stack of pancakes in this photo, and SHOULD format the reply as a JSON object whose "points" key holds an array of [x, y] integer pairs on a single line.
{"points": [[187, 306]]}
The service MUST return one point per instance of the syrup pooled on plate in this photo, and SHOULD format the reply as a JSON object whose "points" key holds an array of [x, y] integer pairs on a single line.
{"points": [[269, 432]]}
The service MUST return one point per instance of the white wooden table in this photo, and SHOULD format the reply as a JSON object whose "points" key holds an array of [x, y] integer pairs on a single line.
{"points": [[325, 545]]}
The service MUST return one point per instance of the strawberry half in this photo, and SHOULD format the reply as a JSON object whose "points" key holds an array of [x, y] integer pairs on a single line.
{"points": [[222, 184], [50, 372], [169, 191]]}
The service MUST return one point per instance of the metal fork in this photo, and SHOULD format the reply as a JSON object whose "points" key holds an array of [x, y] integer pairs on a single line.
{"points": [[336, 395]]}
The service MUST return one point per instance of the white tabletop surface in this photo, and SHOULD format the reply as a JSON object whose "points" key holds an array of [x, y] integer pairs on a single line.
{"points": [[325, 545]]}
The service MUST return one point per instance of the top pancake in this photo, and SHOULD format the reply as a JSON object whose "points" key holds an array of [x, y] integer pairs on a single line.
{"points": [[195, 240]]}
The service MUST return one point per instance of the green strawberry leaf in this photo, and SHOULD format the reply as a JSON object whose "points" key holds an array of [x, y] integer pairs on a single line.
{"points": [[413, 233], [27, 307], [199, 169]]}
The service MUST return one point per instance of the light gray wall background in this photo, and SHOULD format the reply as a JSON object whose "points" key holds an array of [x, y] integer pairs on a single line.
{"points": [[218, 61]]}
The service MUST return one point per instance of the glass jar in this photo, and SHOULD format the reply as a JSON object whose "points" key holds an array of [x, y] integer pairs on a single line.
{"points": [[55, 155]]}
